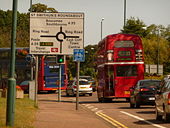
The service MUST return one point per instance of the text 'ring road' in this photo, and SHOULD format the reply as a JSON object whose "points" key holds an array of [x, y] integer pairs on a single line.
{"points": [[58, 36]]}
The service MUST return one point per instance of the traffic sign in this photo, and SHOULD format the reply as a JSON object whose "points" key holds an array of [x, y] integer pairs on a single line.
{"points": [[56, 33], [79, 55]]}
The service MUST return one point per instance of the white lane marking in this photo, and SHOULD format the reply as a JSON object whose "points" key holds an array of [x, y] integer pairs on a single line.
{"points": [[86, 105], [136, 117], [90, 107], [94, 109], [99, 111]]}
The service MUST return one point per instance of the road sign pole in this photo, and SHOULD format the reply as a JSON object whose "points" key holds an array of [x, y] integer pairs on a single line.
{"points": [[59, 88], [77, 93], [36, 83], [10, 109]]}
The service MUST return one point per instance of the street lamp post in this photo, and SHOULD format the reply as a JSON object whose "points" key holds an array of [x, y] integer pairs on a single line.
{"points": [[124, 13], [102, 27], [11, 93], [158, 52], [30, 5]]}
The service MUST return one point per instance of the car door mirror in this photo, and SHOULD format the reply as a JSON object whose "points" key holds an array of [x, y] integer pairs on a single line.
{"points": [[158, 92], [132, 88]]}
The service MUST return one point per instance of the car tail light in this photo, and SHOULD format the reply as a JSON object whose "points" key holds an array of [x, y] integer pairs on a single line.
{"points": [[169, 99], [74, 86], [90, 86], [144, 89]]}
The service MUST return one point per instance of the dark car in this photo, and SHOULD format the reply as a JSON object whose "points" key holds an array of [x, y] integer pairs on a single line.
{"points": [[25, 86], [162, 101], [143, 93]]}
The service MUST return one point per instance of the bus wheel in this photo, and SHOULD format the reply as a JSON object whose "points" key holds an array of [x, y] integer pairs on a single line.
{"points": [[137, 105], [100, 99], [107, 100]]}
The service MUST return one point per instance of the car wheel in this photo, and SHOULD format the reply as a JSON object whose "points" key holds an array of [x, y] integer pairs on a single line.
{"points": [[67, 94], [137, 105], [128, 99], [158, 117], [166, 117], [73, 93], [90, 94], [132, 105]]}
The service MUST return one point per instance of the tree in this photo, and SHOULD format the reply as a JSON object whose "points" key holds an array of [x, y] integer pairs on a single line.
{"points": [[151, 36], [135, 26], [87, 67], [22, 26], [42, 8], [166, 33]]}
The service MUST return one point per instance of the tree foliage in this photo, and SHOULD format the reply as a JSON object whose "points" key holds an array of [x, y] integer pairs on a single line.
{"points": [[135, 26], [156, 39], [22, 25], [42, 8]]}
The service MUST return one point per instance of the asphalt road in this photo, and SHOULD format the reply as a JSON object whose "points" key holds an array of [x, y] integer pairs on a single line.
{"points": [[119, 114]]}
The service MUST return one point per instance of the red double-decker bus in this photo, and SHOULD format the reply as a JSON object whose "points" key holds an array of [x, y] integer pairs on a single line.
{"points": [[120, 64]]}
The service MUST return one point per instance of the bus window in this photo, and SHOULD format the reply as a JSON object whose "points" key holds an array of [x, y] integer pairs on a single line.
{"points": [[124, 44], [53, 69], [130, 70], [124, 53]]}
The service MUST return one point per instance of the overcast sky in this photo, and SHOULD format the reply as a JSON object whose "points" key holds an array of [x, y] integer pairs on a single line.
{"points": [[149, 11]]}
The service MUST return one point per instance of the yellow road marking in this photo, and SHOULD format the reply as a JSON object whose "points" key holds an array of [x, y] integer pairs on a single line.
{"points": [[111, 120]]}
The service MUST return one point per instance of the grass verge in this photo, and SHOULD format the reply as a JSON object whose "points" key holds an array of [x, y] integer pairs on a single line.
{"points": [[24, 113]]}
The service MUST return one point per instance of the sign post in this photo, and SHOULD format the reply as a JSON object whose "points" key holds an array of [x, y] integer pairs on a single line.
{"points": [[79, 56]]}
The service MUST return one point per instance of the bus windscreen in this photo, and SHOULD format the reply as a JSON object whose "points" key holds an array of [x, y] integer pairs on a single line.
{"points": [[129, 70]]}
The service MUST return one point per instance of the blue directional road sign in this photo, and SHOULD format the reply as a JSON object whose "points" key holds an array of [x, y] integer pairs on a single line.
{"points": [[79, 55]]}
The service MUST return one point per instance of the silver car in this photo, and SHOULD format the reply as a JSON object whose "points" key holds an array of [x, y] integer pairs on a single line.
{"points": [[162, 101], [84, 88]]}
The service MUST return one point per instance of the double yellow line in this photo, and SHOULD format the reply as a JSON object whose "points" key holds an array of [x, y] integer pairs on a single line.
{"points": [[110, 120]]}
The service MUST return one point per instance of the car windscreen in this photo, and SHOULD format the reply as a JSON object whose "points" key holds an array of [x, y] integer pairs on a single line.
{"points": [[24, 83], [83, 82], [150, 83], [87, 78]]}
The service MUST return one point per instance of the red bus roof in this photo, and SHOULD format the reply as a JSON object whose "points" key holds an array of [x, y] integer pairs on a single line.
{"points": [[110, 40]]}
